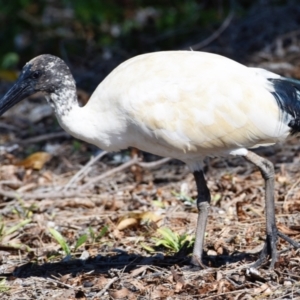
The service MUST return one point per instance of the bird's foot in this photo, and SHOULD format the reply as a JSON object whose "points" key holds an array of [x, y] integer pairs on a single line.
{"points": [[263, 257], [288, 239], [192, 268], [196, 262], [269, 250]]}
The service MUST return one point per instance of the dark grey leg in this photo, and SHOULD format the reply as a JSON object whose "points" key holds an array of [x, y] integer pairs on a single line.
{"points": [[203, 203], [267, 170]]}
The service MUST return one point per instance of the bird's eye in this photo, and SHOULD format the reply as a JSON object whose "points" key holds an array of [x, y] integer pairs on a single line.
{"points": [[36, 74]]}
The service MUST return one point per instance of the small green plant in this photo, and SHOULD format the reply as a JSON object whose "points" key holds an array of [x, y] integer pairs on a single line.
{"points": [[80, 241], [60, 239], [147, 248], [183, 197], [23, 211], [3, 286], [4, 231], [216, 198], [96, 237], [172, 240], [5, 234], [158, 203]]}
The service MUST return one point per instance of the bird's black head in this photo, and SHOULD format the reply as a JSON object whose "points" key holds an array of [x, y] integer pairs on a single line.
{"points": [[45, 73]]}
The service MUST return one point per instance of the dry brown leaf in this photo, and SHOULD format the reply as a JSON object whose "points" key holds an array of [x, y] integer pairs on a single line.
{"points": [[179, 280], [149, 216], [67, 294], [178, 287], [77, 202], [65, 278], [101, 282], [282, 179], [264, 288], [138, 285], [161, 292], [291, 205], [126, 223], [118, 234], [46, 177], [134, 219], [250, 233], [207, 288], [240, 212], [224, 286], [138, 271], [119, 294], [218, 246], [34, 161], [9, 173]]}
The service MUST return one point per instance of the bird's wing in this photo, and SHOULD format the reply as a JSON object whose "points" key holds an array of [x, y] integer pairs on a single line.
{"points": [[196, 101]]}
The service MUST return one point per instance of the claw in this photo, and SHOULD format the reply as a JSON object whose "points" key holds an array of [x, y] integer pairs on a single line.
{"points": [[269, 249]]}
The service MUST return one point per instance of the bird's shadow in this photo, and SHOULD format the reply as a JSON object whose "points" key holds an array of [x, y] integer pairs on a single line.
{"points": [[121, 261]]}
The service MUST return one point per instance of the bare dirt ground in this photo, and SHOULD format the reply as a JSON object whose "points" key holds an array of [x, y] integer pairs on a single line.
{"points": [[109, 212]]}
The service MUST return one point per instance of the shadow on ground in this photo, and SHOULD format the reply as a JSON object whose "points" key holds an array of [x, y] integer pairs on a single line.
{"points": [[128, 262]]}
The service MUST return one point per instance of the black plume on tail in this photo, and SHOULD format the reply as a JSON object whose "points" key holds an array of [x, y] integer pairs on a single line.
{"points": [[287, 95]]}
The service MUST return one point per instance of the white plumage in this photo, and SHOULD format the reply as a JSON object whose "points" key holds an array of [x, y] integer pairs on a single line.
{"points": [[180, 104]]}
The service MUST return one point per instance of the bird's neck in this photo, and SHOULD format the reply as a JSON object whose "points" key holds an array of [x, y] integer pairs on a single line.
{"points": [[93, 123], [63, 100]]}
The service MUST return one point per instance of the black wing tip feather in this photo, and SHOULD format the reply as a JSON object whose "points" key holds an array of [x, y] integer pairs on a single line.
{"points": [[287, 95], [295, 126]]}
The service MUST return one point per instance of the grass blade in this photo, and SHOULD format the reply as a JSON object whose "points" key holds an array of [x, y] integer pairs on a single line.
{"points": [[62, 242], [16, 227], [81, 240]]}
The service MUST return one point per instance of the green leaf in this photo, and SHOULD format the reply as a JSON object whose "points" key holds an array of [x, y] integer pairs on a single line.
{"points": [[184, 197], [3, 286], [16, 227], [147, 248], [173, 240], [158, 203], [102, 233], [170, 239], [22, 247], [168, 234], [81, 240], [2, 230], [92, 233], [62, 242]]}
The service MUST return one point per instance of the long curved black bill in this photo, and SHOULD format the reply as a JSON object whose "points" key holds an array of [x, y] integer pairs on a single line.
{"points": [[18, 92]]}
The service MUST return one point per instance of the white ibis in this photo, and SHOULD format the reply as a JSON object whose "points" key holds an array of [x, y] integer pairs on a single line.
{"points": [[180, 104]]}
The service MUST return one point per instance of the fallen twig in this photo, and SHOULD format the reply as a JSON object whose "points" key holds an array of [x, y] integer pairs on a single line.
{"points": [[50, 195], [133, 161], [43, 137], [15, 183], [154, 164], [109, 173], [106, 287], [82, 172], [56, 280]]}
